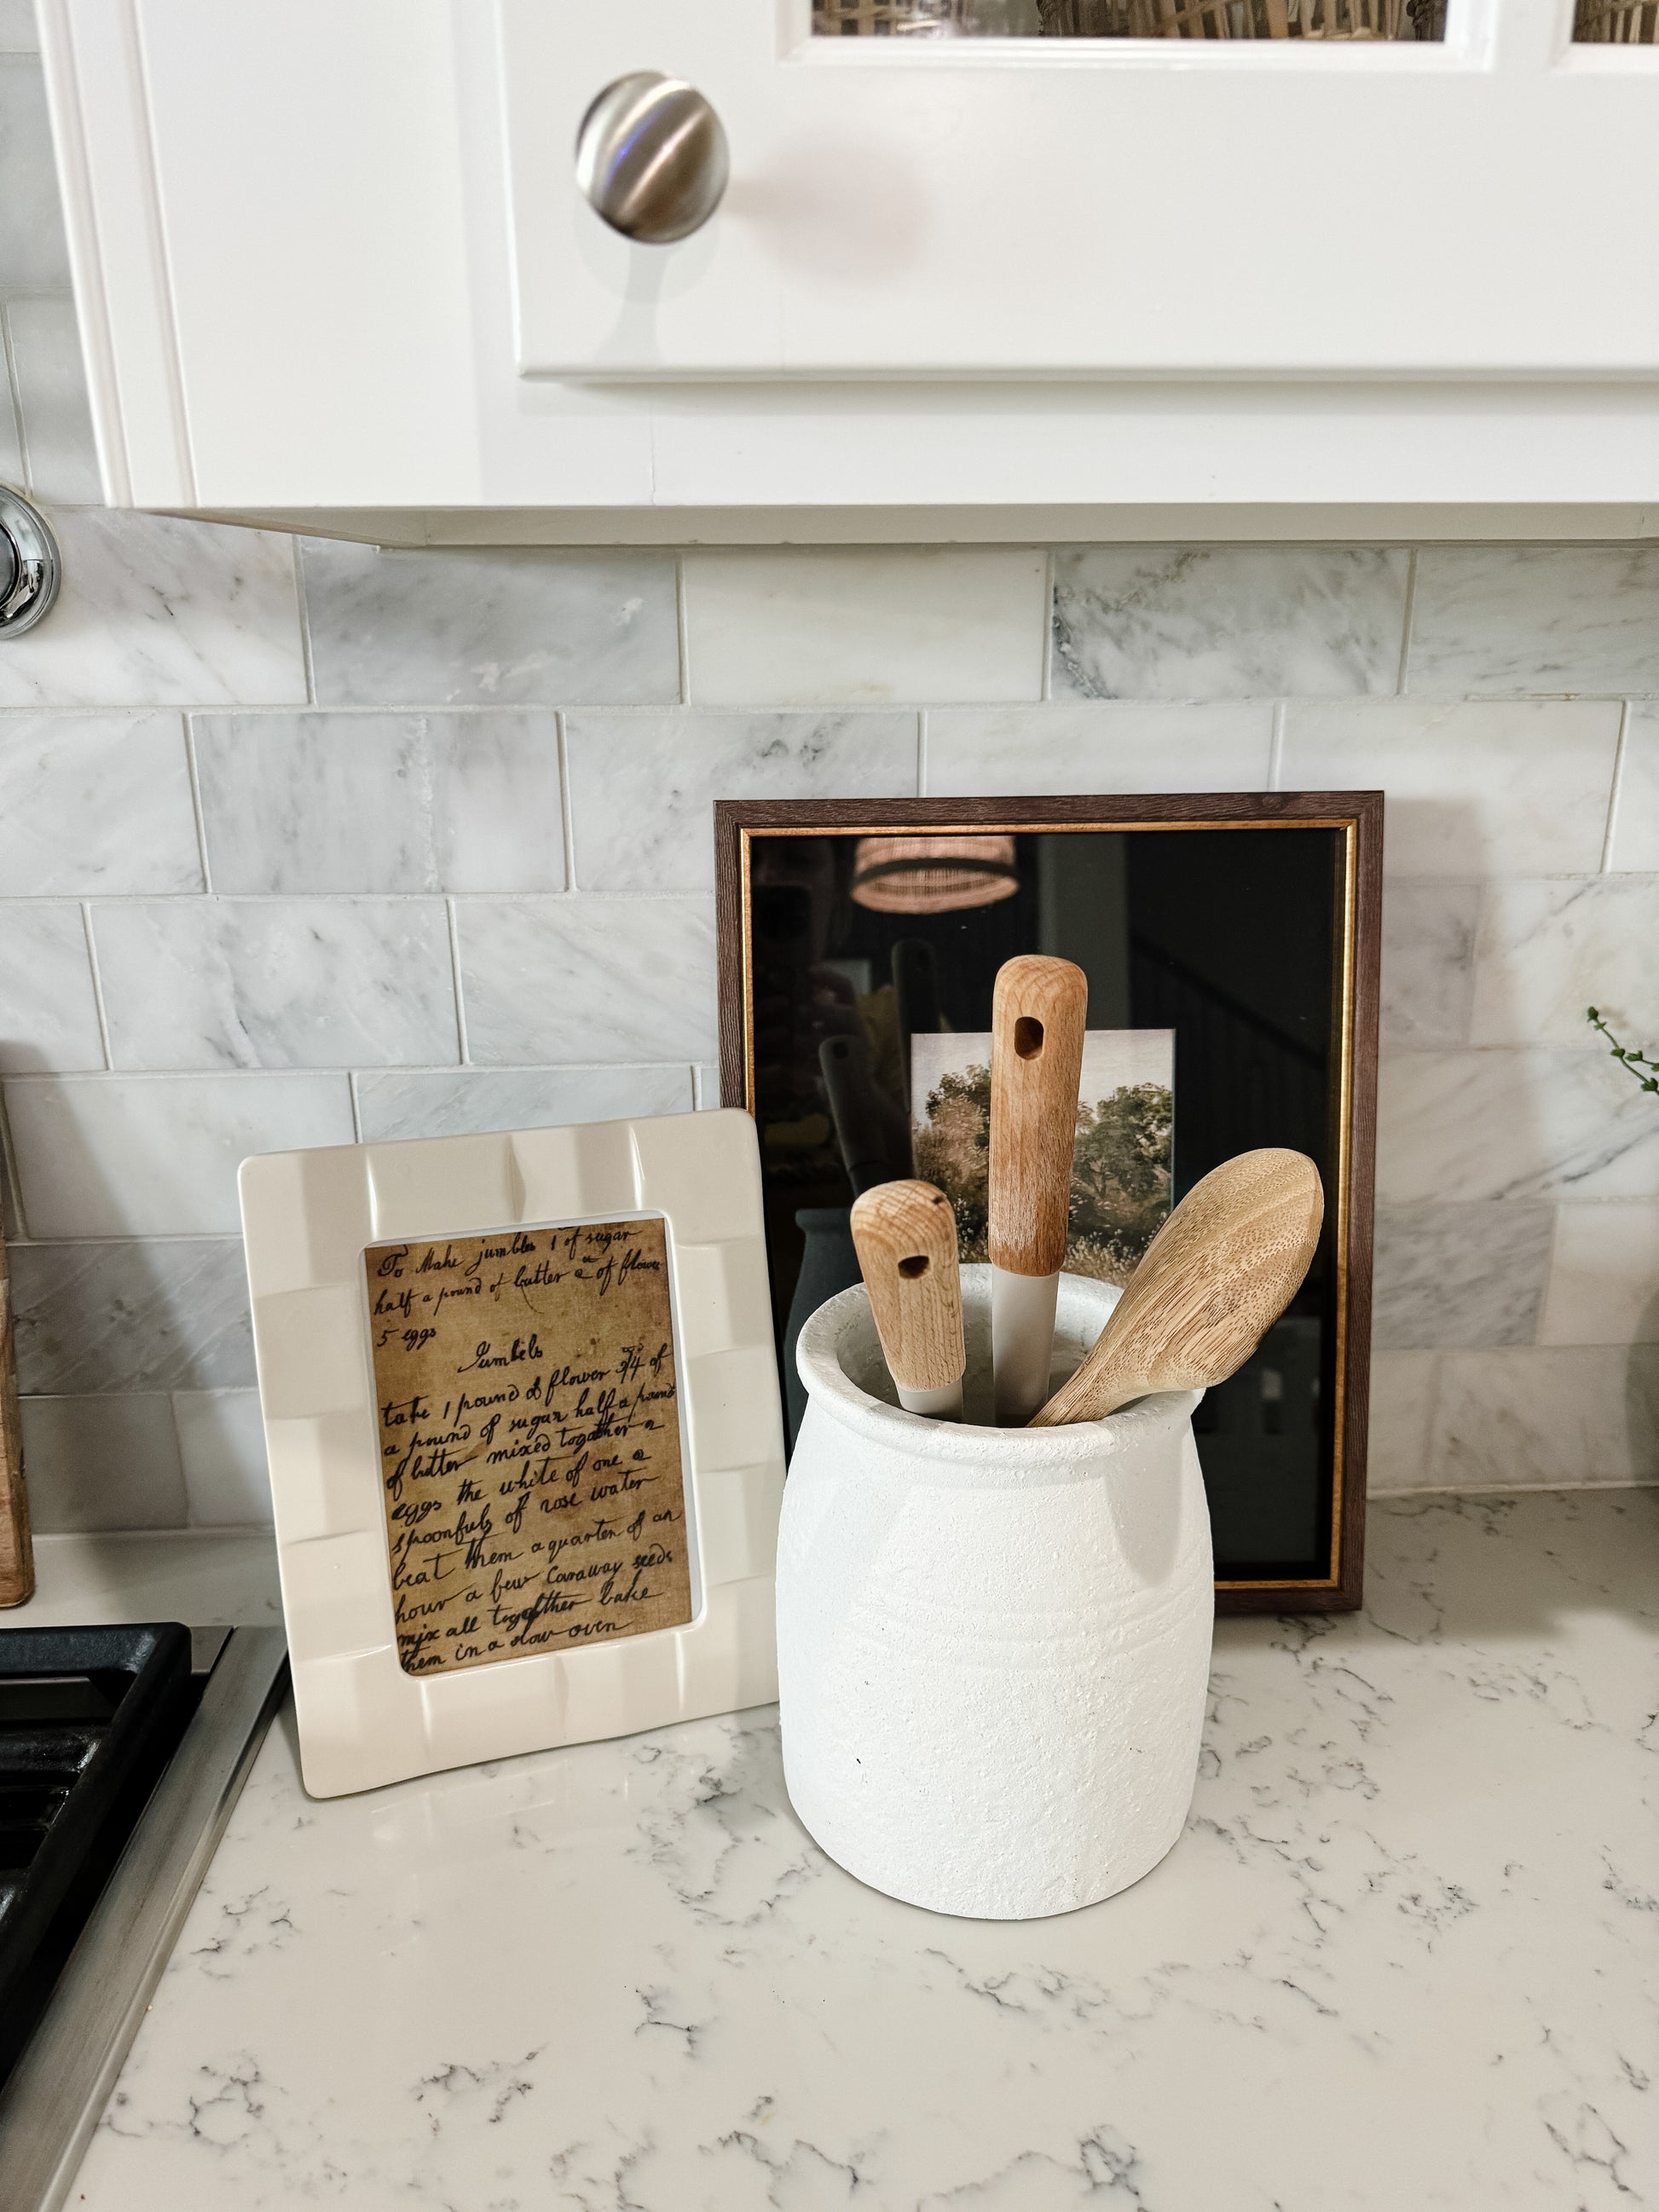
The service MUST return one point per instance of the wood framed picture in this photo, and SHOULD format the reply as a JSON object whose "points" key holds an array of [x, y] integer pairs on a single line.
{"points": [[1231, 943], [521, 1401]]}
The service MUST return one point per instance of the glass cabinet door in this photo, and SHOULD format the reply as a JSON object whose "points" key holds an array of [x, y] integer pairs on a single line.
{"points": [[1337, 19], [995, 190]]}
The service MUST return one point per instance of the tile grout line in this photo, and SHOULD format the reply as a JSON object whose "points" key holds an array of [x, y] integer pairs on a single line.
{"points": [[567, 812], [455, 988], [1276, 746], [193, 775], [1045, 691], [682, 633], [1405, 625], [302, 609], [13, 394], [357, 1109], [1615, 789], [921, 752], [97, 986]]}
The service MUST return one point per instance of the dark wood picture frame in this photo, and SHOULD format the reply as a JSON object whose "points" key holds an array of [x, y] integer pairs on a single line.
{"points": [[1359, 816]]}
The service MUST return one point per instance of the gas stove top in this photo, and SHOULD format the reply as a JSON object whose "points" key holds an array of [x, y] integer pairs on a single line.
{"points": [[121, 1752]]}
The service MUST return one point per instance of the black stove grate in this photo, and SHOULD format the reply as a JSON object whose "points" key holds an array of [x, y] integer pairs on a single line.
{"points": [[88, 1718]]}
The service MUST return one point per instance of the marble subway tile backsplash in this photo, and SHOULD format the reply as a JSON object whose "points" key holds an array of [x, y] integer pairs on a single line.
{"points": [[475, 1101], [343, 803], [1474, 789], [157, 1155], [1514, 620], [306, 842], [459, 879], [101, 1317], [157, 612], [218, 983], [641, 788], [872, 628], [95, 803], [1115, 745], [490, 628], [569, 982], [1161, 622]]}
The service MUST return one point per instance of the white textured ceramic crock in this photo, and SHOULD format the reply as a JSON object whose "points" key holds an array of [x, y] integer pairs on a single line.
{"points": [[993, 1643]]}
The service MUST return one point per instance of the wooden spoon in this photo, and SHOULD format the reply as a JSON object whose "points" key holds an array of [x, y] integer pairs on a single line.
{"points": [[1038, 1013], [1213, 1282], [905, 1235]]}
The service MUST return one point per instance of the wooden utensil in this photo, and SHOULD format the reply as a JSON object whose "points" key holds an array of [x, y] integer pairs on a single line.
{"points": [[1213, 1281], [16, 1549], [905, 1235], [1038, 1011]]}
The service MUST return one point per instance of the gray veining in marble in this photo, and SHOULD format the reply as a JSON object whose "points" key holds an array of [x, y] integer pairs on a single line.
{"points": [[170, 1314], [1538, 1123], [1510, 619], [1428, 962], [157, 1155], [276, 982], [1536, 1419], [104, 1462], [490, 628], [1103, 745], [1401, 1958], [1473, 789], [33, 254], [1459, 1275], [155, 612], [48, 1009], [472, 1102], [61, 460], [95, 803], [643, 787], [1160, 622], [553, 979], [363, 802], [1547, 950]]}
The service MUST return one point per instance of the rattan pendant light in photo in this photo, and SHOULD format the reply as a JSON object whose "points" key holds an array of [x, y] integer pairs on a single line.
{"points": [[933, 875]]}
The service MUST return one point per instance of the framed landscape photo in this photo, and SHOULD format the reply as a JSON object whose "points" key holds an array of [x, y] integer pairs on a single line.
{"points": [[1231, 943], [521, 1408]]}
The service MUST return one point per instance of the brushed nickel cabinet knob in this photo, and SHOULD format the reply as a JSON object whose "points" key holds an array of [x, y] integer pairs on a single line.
{"points": [[651, 157], [29, 569]]}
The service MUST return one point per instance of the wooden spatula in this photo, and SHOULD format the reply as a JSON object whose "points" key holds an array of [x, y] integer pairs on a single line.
{"points": [[1038, 1011], [16, 1550], [905, 1235], [1213, 1281]]}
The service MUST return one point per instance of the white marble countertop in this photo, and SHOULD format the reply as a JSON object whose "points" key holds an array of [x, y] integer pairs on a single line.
{"points": [[1403, 1957], [206, 1577]]}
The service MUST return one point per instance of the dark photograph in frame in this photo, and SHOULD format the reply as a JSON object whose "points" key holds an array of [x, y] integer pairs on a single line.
{"points": [[1247, 925]]}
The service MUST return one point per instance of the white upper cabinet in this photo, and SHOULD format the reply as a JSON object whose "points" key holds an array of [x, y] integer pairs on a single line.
{"points": [[1017, 208], [968, 277]]}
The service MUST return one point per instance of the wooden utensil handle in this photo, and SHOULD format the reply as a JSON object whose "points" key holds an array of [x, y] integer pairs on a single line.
{"points": [[905, 1235], [16, 1547], [1039, 1010]]}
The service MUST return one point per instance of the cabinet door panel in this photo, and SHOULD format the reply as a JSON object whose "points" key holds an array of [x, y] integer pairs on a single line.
{"points": [[1025, 208]]}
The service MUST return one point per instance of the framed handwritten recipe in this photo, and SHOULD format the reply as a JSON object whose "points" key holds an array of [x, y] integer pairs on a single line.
{"points": [[522, 1424], [529, 1440]]}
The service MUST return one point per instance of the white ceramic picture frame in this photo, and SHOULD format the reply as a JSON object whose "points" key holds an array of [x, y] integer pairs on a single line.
{"points": [[307, 1219]]}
